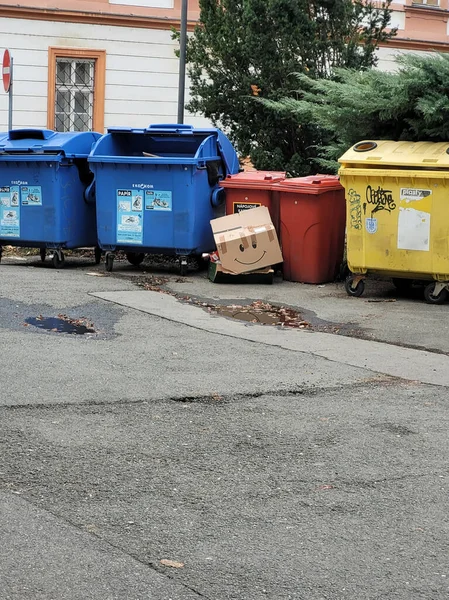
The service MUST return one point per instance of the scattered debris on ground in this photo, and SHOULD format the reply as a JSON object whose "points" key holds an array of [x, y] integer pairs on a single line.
{"points": [[258, 312], [172, 563]]}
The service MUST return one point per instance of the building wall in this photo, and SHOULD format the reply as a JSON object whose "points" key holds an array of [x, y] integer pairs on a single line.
{"points": [[421, 28], [141, 71], [159, 9]]}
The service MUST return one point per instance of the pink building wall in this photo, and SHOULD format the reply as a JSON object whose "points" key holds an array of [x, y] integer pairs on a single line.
{"points": [[422, 25]]}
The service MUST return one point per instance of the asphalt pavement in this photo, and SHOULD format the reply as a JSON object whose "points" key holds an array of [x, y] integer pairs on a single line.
{"points": [[174, 454]]}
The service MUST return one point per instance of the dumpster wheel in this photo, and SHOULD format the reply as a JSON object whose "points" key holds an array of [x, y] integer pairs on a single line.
{"points": [[109, 261], [97, 253], [439, 297], [354, 290], [183, 265], [135, 258], [43, 254], [58, 259]]}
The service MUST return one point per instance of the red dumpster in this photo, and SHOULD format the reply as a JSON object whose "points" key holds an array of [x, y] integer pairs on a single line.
{"points": [[251, 190], [312, 227]]}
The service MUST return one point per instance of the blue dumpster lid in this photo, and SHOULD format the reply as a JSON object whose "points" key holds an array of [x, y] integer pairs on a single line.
{"points": [[225, 148], [45, 141]]}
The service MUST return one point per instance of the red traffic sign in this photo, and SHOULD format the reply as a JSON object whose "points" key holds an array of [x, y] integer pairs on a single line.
{"points": [[6, 71]]}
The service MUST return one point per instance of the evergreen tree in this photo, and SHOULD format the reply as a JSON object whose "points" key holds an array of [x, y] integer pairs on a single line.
{"points": [[247, 49], [410, 104]]}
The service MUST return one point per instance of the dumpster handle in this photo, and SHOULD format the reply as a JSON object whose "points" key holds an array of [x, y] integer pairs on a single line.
{"points": [[169, 128], [218, 197], [30, 134], [89, 193]]}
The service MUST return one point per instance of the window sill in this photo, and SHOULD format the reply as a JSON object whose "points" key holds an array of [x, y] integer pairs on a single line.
{"points": [[426, 8]]}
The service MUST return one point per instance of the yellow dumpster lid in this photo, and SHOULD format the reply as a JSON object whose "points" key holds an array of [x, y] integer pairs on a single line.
{"points": [[397, 154]]}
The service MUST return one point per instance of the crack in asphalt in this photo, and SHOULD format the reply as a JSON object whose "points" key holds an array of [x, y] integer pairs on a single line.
{"points": [[213, 398], [67, 521]]}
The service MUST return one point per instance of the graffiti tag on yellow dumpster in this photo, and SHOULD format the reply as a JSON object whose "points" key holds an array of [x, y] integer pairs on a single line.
{"points": [[355, 209], [382, 199]]}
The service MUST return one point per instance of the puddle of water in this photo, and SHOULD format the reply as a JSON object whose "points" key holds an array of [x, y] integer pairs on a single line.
{"points": [[61, 325], [263, 313]]}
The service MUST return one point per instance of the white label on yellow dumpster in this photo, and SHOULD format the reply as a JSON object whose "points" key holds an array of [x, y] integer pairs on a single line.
{"points": [[413, 194], [413, 229]]}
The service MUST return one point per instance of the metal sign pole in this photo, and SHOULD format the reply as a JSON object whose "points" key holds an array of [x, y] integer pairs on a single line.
{"points": [[10, 96], [182, 61]]}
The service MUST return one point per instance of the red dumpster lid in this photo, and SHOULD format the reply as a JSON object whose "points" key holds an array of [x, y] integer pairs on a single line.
{"points": [[312, 184], [253, 179]]}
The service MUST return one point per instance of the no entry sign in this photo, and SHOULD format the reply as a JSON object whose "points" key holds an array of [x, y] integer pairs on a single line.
{"points": [[6, 71]]}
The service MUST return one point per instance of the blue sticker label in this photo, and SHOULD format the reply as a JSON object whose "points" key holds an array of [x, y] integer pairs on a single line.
{"points": [[157, 200], [31, 195], [129, 217], [371, 225], [9, 212]]}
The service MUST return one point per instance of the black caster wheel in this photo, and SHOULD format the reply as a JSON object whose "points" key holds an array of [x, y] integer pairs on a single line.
{"points": [[183, 265], [343, 271], [135, 258], [58, 260], [109, 261], [203, 263], [402, 285], [354, 291], [97, 253], [429, 296], [43, 254]]}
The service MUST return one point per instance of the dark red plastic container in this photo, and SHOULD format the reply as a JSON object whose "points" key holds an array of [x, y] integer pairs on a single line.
{"points": [[312, 227], [252, 189]]}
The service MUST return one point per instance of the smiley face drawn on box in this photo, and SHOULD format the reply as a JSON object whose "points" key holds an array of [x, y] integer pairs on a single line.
{"points": [[246, 241], [252, 251]]}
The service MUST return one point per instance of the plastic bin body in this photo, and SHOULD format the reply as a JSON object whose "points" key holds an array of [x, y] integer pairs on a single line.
{"points": [[397, 209], [253, 189], [43, 177], [312, 224], [161, 201]]}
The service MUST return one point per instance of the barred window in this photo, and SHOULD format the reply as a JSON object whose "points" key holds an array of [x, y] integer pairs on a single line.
{"points": [[74, 94]]}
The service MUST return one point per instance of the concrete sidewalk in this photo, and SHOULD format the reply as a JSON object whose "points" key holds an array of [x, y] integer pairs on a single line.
{"points": [[388, 359]]}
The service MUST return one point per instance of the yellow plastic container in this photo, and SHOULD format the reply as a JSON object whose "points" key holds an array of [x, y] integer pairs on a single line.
{"points": [[397, 198]]}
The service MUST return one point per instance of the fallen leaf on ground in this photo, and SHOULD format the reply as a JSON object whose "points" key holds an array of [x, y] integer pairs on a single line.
{"points": [[90, 527], [172, 563]]}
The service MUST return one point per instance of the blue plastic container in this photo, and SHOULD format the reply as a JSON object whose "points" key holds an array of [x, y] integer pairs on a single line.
{"points": [[157, 189], [43, 179]]}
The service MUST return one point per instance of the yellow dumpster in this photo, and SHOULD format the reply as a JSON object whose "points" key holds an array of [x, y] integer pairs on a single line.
{"points": [[397, 198]]}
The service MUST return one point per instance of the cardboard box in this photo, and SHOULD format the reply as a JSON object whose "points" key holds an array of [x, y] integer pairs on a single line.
{"points": [[246, 241], [217, 274]]}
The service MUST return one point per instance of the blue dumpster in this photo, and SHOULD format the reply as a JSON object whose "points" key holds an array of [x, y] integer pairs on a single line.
{"points": [[157, 190], [43, 179]]}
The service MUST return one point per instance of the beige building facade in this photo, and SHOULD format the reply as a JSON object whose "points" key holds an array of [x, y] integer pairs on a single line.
{"points": [[92, 65]]}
